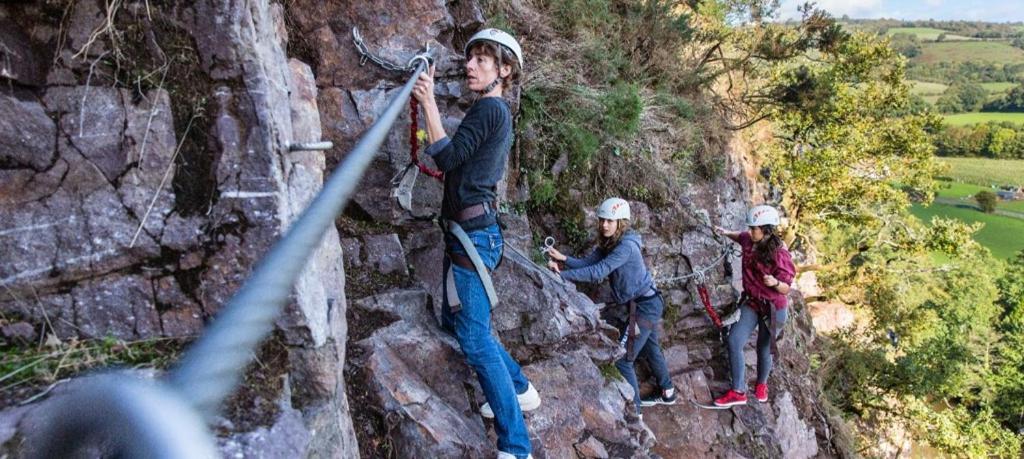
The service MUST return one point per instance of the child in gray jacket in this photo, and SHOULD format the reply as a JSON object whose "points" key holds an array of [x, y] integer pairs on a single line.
{"points": [[617, 256]]}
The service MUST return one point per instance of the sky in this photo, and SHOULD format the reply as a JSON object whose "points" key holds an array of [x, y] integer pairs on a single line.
{"points": [[975, 10]]}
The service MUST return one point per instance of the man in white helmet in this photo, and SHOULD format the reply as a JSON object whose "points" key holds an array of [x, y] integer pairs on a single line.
{"points": [[473, 160]]}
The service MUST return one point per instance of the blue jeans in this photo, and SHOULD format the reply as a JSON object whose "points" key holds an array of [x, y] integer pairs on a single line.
{"points": [[499, 375], [738, 336], [647, 345]]}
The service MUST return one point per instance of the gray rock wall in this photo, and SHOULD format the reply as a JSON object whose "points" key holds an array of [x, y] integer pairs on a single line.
{"points": [[98, 173]]}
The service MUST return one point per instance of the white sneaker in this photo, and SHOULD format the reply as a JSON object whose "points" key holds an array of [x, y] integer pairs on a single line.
{"points": [[528, 401], [504, 455]]}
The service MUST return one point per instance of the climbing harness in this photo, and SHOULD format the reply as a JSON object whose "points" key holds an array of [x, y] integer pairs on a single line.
{"points": [[477, 263], [765, 311]]}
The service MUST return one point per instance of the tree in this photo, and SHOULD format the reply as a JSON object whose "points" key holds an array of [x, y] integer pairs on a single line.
{"points": [[962, 97], [1000, 142], [1009, 362], [986, 200], [843, 121], [1013, 101], [906, 44]]}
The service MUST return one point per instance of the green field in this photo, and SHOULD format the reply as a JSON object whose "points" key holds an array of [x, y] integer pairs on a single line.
{"points": [[985, 172], [927, 33], [966, 192], [997, 88], [1004, 236], [969, 51], [925, 88], [963, 119]]}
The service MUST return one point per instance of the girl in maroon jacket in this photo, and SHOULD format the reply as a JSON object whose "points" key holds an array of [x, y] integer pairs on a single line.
{"points": [[768, 272]]}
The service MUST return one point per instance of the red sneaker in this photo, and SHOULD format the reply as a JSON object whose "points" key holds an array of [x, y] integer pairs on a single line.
{"points": [[731, 398], [761, 392]]}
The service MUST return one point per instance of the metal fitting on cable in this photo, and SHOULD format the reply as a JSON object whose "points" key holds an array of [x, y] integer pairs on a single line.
{"points": [[310, 146]]}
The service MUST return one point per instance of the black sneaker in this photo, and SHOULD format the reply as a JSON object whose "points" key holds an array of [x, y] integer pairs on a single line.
{"points": [[660, 399]]}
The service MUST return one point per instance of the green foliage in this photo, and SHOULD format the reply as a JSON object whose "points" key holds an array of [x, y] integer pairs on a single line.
{"points": [[986, 200], [542, 190], [41, 366], [843, 122], [943, 311], [622, 108], [999, 233], [992, 140], [974, 71], [679, 105], [1008, 375], [965, 97], [576, 17], [929, 29], [575, 230], [1013, 101], [962, 432], [906, 44]]}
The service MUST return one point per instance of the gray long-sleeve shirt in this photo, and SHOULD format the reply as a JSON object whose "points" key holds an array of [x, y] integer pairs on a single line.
{"points": [[623, 266], [473, 160]]}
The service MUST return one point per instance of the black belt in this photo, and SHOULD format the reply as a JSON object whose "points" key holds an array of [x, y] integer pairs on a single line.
{"points": [[473, 211]]}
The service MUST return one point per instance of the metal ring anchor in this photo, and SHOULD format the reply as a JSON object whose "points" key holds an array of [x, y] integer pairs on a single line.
{"points": [[549, 243], [310, 146]]}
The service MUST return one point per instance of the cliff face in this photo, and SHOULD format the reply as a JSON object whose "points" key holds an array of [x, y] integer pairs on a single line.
{"points": [[145, 168]]}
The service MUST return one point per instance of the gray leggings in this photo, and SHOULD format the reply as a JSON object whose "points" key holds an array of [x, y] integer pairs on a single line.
{"points": [[739, 334]]}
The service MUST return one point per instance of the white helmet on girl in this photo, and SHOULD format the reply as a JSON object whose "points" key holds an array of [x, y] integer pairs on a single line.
{"points": [[763, 215], [500, 37], [614, 209]]}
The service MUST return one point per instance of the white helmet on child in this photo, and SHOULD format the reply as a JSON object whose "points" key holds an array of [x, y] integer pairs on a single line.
{"points": [[614, 209], [763, 215], [500, 37]]}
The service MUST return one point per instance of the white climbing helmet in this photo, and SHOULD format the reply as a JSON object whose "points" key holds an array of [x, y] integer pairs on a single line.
{"points": [[500, 37], [763, 215], [614, 209]]}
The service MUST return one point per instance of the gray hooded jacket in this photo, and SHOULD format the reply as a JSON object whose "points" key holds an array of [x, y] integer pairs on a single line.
{"points": [[624, 266]]}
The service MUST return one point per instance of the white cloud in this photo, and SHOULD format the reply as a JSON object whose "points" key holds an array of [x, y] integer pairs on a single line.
{"points": [[856, 8], [996, 11]]}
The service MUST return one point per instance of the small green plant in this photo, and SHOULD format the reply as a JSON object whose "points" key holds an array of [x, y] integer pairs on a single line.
{"points": [[606, 62], [575, 231], [610, 373], [573, 16], [542, 190], [622, 108], [580, 143], [677, 105], [32, 366], [500, 21]]}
